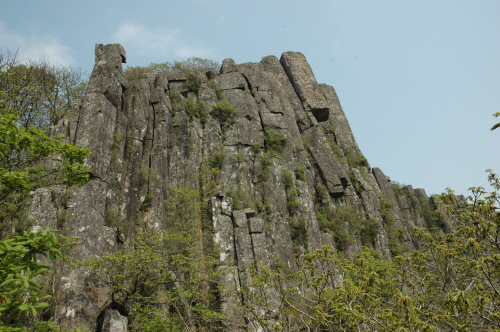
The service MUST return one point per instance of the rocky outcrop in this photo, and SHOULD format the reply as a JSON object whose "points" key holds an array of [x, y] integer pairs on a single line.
{"points": [[114, 322], [285, 165]]}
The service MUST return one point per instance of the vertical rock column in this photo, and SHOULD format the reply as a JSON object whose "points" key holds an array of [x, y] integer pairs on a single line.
{"points": [[80, 296]]}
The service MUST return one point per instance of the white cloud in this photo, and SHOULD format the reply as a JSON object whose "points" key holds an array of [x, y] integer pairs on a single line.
{"points": [[35, 47], [140, 41]]}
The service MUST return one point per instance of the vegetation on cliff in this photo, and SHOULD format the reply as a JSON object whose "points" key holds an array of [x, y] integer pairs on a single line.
{"points": [[236, 201], [29, 159], [450, 284]]}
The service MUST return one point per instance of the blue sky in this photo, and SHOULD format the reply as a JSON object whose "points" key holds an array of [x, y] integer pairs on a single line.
{"points": [[418, 80]]}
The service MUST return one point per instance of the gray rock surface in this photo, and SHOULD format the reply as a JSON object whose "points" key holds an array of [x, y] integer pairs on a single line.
{"points": [[303, 81], [267, 198], [114, 322]]}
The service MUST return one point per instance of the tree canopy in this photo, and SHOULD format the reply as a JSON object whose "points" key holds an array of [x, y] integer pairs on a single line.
{"points": [[31, 98], [39, 93]]}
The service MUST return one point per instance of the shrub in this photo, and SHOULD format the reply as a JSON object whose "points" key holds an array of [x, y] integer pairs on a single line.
{"points": [[21, 294], [274, 141], [213, 85], [224, 112], [394, 235], [299, 233], [193, 81], [339, 222], [432, 216], [300, 173], [358, 186], [176, 100], [335, 148], [173, 268], [369, 231], [292, 203], [287, 178], [193, 64], [217, 159], [355, 159], [320, 192], [242, 199], [196, 110]]}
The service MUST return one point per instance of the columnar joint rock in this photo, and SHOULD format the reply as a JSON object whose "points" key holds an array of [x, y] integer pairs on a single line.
{"points": [[271, 177]]}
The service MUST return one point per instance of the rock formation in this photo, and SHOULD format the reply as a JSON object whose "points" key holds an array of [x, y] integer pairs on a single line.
{"points": [[287, 163]]}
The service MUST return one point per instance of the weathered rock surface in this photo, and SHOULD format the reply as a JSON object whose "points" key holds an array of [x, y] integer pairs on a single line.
{"points": [[114, 322], [268, 204]]}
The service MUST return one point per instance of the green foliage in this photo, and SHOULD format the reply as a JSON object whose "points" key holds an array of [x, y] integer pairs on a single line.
{"points": [[299, 234], [21, 148], [213, 85], [151, 319], [300, 173], [39, 94], [198, 65], [217, 159], [193, 64], [368, 231], [147, 202], [196, 109], [287, 178], [292, 204], [136, 72], [320, 192], [397, 188], [355, 159], [176, 100], [431, 214], [386, 212], [292, 192], [224, 112], [338, 222], [24, 157], [242, 198], [274, 141], [358, 186], [239, 157], [20, 292], [394, 235], [267, 159], [337, 151], [450, 284], [193, 81], [147, 174], [167, 279], [32, 97], [343, 223]]}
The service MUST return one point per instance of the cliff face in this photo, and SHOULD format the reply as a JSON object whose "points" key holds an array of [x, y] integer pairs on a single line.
{"points": [[286, 167]]}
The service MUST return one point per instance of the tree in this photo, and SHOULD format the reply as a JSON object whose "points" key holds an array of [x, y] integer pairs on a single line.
{"points": [[29, 157], [41, 93], [451, 284], [21, 294], [166, 280]]}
